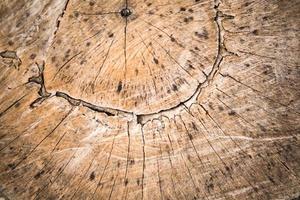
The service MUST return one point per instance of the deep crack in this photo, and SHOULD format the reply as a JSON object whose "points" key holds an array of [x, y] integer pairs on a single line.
{"points": [[10, 58], [78, 102], [40, 80]]}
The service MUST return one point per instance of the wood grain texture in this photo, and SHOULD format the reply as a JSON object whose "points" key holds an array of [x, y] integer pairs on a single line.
{"points": [[138, 99]]}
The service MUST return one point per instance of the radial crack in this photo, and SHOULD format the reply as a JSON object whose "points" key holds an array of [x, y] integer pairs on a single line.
{"points": [[10, 58], [60, 17]]}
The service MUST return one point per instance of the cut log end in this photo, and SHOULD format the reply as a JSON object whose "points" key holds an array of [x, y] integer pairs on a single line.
{"points": [[131, 99]]}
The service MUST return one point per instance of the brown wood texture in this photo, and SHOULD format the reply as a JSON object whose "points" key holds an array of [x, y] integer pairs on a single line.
{"points": [[140, 99]]}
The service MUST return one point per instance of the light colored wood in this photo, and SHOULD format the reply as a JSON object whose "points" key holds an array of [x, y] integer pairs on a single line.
{"points": [[161, 99], [148, 62]]}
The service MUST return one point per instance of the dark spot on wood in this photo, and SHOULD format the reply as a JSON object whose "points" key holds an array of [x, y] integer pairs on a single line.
{"points": [[19, 24], [132, 161], [39, 174], [227, 168], [11, 165], [125, 12], [151, 12], [231, 113], [10, 43], [265, 18], [191, 66], [32, 56], [209, 187], [255, 189], [92, 3], [272, 180], [17, 104], [188, 19], [182, 9], [262, 128], [119, 87], [88, 44], [174, 87], [76, 14], [155, 60], [92, 176], [82, 62], [255, 32], [220, 108]]}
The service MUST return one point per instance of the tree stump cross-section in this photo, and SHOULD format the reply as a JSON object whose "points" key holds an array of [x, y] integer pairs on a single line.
{"points": [[140, 99]]}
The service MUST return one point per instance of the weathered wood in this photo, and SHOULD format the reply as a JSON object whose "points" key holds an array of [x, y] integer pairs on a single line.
{"points": [[131, 99]]}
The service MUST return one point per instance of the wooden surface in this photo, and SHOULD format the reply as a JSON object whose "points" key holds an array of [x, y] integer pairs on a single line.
{"points": [[183, 99]]}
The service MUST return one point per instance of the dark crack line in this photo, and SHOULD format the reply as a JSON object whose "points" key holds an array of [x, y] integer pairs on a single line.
{"points": [[77, 102], [68, 61], [60, 17], [127, 159], [125, 44], [83, 176], [97, 13], [103, 63], [37, 145], [151, 73], [10, 106], [113, 186], [260, 93], [125, 39], [60, 171], [103, 172], [144, 161]]}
